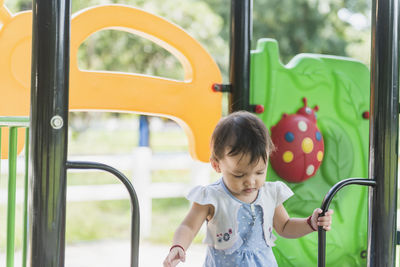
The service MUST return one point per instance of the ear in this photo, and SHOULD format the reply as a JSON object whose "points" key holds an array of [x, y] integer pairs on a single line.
{"points": [[215, 164]]}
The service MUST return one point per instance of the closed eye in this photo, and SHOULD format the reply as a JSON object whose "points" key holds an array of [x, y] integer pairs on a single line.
{"points": [[238, 175]]}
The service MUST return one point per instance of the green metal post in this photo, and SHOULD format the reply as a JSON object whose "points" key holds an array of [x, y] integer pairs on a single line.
{"points": [[12, 171], [25, 218]]}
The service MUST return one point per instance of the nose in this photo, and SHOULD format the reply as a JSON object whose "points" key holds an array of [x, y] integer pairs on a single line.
{"points": [[250, 181]]}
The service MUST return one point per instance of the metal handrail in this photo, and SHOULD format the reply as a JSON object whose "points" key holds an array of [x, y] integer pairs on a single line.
{"points": [[17, 121], [135, 220], [325, 206]]}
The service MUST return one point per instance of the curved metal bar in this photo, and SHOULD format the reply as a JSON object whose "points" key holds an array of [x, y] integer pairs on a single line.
{"points": [[325, 206], [135, 221]]}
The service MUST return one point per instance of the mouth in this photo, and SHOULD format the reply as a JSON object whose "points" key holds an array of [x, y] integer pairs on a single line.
{"points": [[249, 190]]}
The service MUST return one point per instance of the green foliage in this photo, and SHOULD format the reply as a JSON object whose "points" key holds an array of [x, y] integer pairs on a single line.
{"points": [[305, 26], [300, 26], [121, 51], [18, 5]]}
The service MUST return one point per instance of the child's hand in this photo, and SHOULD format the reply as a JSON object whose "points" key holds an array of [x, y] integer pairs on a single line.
{"points": [[176, 255], [324, 221]]}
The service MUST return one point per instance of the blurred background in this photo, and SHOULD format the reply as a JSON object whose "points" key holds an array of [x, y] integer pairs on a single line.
{"points": [[153, 151]]}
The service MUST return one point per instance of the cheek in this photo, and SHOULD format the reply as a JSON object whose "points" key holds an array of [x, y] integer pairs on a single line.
{"points": [[261, 180], [235, 183], [231, 182]]}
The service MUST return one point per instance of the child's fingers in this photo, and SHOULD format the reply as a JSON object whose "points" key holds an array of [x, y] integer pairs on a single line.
{"points": [[329, 213], [175, 262], [167, 263], [327, 228], [319, 211], [170, 260], [182, 255], [326, 217], [326, 221], [316, 212], [175, 256]]}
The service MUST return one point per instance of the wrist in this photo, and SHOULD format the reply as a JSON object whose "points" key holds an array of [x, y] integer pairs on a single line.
{"points": [[177, 246], [310, 224]]}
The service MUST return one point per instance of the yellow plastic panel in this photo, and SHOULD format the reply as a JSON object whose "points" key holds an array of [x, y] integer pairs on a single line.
{"points": [[190, 102], [15, 65]]}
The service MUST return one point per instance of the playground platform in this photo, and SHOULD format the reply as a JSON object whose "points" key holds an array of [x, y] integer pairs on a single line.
{"points": [[116, 253]]}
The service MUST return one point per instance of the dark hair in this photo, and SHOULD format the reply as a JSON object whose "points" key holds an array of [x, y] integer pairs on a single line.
{"points": [[241, 132]]}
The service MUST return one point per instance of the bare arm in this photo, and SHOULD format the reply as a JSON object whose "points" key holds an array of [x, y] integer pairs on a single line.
{"points": [[186, 232], [298, 227], [190, 226]]}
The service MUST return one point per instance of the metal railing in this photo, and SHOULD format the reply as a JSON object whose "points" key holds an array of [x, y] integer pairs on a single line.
{"points": [[135, 214], [325, 206], [13, 124]]}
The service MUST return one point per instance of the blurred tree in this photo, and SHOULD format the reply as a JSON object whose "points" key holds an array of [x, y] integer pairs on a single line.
{"points": [[121, 51], [300, 26], [114, 50], [312, 26], [18, 5], [307, 26]]}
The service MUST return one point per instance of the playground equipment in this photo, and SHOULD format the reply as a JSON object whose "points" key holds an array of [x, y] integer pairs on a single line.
{"points": [[339, 86], [90, 90], [257, 80]]}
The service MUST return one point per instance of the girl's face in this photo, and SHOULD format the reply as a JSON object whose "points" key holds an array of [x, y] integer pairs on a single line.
{"points": [[242, 178]]}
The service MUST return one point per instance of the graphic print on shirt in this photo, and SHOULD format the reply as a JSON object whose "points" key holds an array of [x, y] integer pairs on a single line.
{"points": [[225, 236]]}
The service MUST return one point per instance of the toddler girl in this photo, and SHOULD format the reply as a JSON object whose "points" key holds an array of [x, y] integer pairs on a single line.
{"points": [[241, 209]]}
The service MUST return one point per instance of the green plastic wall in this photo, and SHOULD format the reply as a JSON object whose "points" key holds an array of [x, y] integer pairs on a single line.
{"points": [[340, 87]]}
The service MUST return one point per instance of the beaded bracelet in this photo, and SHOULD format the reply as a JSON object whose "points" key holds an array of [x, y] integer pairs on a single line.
{"points": [[309, 223], [177, 246]]}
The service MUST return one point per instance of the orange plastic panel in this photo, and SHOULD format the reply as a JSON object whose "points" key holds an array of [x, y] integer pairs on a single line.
{"points": [[15, 65], [190, 102]]}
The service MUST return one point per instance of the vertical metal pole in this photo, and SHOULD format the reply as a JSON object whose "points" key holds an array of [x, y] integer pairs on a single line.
{"points": [[12, 187], [383, 133], [49, 132], [25, 208], [144, 131], [240, 42]]}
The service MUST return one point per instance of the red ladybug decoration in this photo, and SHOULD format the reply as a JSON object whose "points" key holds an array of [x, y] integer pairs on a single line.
{"points": [[299, 145]]}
